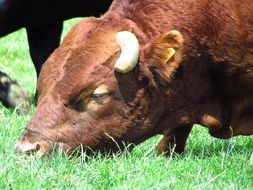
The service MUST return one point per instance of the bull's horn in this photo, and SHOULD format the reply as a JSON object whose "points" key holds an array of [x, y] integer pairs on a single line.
{"points": [[129, 51]]}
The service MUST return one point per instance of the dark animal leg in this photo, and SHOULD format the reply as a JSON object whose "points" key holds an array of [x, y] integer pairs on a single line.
{"points": [[174, 140], [42, 42]]}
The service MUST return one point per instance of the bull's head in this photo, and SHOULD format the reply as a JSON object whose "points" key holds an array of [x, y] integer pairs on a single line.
{"points": [[103, 89]]}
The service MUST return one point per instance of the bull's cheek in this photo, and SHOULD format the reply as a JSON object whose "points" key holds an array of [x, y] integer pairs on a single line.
{"points": [[106, 134], [94, 128], [85, 134]]}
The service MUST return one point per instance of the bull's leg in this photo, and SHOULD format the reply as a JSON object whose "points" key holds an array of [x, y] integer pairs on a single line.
{"points": [[7, 7], [42, 42], [174, 140], [163, 145]]}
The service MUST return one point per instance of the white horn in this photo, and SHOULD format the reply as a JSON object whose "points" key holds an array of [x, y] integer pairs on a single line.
{"points": [[129, 51]]}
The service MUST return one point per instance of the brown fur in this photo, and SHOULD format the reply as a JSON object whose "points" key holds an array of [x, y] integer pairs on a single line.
{"points": [[208, 81]]}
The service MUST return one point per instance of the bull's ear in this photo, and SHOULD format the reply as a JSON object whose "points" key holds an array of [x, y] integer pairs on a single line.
{"points": [[163, 56]]}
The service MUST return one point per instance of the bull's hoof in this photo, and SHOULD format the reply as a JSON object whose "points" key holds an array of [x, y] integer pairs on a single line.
{"points": [[12, 95]]}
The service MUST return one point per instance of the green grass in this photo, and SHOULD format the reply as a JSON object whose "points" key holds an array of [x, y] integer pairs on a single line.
{"points": [[207, 163]]}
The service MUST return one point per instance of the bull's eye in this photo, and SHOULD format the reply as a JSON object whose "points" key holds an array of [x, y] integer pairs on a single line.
{"points": [[100, 97], [91, 100], [101, 94]]}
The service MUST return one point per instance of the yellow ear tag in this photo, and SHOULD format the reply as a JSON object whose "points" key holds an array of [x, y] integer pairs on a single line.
{"points": [[169, 53]]}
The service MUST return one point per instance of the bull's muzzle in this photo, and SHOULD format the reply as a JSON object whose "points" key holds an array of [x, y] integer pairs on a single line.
{"points": [[27, 148], [40, 148]]}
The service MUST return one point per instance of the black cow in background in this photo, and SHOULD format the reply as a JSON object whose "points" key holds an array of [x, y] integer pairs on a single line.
{"points": [[43, 21]]}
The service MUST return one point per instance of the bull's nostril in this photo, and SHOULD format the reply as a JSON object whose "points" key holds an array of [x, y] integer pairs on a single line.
{"points": [[37, 147], [27, 147]]}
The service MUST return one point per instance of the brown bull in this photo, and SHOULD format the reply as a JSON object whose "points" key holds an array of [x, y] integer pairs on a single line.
{"points": [[182, 62]]}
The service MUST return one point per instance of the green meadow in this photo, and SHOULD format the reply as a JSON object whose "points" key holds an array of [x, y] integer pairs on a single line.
{"points": [[207, 163]]}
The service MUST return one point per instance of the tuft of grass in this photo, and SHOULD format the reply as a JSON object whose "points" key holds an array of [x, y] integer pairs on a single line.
{"points": [[207, 163]]}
